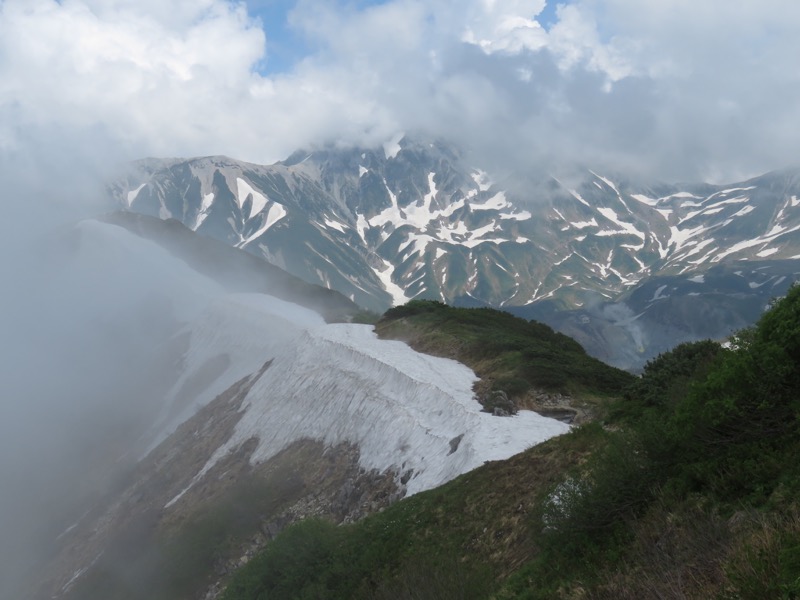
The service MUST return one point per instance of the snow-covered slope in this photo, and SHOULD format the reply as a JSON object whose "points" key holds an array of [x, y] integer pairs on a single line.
{"points": [[238, 378], [409, 413], [332, 382]]}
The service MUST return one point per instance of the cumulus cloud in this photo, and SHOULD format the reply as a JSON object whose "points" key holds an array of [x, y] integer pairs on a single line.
{"points": [[676, 89]]}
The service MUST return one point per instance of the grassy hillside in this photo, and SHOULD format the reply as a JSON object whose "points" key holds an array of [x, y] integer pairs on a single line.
{"points": [[689, 491], [508, 353]]}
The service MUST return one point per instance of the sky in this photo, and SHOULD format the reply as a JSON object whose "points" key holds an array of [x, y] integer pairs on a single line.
{"points": [[672, 89]]}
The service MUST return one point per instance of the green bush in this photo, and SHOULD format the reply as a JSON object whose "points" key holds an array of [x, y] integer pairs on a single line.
{"points": [[303, 562], [508, 347]]}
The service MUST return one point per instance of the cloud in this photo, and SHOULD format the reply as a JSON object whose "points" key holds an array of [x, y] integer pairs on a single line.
{"points": [[675, 89]]}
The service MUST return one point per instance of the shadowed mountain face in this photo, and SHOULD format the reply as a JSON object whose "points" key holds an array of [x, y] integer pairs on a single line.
{"points": [[665, 311], [422, 222], [235, 269]]}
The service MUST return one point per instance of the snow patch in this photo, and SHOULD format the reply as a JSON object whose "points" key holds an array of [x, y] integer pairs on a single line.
{"points": [[131, 196], [205, 205], [392, 147], [645, 199], [273, 214], [395, 291], [579, 198], [658, 295], [627, 228], [244, 189], [608, 182], [248, 329], [340, 383], [335, 225], [481, 179], [584, 224]]}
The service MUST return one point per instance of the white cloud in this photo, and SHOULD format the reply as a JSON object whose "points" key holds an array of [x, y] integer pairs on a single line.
{"points": [[507, 26], [678, 88]]}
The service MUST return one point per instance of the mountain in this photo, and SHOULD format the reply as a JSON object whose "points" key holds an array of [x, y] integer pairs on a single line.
{"points": [[666, 310], [256, 413], [688, 489], [419, 220], [235, 269]]}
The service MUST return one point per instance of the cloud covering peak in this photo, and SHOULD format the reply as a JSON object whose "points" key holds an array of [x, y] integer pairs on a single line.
{"points": [[675, 89]]}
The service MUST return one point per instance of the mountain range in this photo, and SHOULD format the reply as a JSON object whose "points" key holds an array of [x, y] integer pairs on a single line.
{"points": [[252, 400], [614, 262]]}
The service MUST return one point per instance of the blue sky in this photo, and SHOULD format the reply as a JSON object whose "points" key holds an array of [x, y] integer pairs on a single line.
{"points": [[286, 46]]}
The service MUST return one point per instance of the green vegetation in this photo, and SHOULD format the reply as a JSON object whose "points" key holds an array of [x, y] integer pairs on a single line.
{"points": [[365, 317], [690, 491], [452, 542], [507, 352]]}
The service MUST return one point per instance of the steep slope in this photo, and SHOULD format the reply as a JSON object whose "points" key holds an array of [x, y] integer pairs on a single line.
{"points": [[261, 405], [235, 269], [691, 493]]}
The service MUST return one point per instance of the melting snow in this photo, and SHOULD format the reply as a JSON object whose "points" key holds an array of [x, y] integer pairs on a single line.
{"points": [[335, 225], [767, 252], [584, 224], [340, 383], [496, 202], [248, 329], [744, 211], [730, 191], [627, 228], [395, 291], [133, 193], [481, 179], [658, 294], [273, 214], [579, 198], [244, 189], [205, 205], [679, 237], [606, 181], [645, 199]]}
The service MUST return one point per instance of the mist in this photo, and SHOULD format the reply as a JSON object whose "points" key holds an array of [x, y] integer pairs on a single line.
{"points": [[667, 91], [81, 319]]}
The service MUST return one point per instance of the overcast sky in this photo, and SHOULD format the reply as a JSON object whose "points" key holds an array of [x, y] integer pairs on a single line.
{"points": [[678, 89]]}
